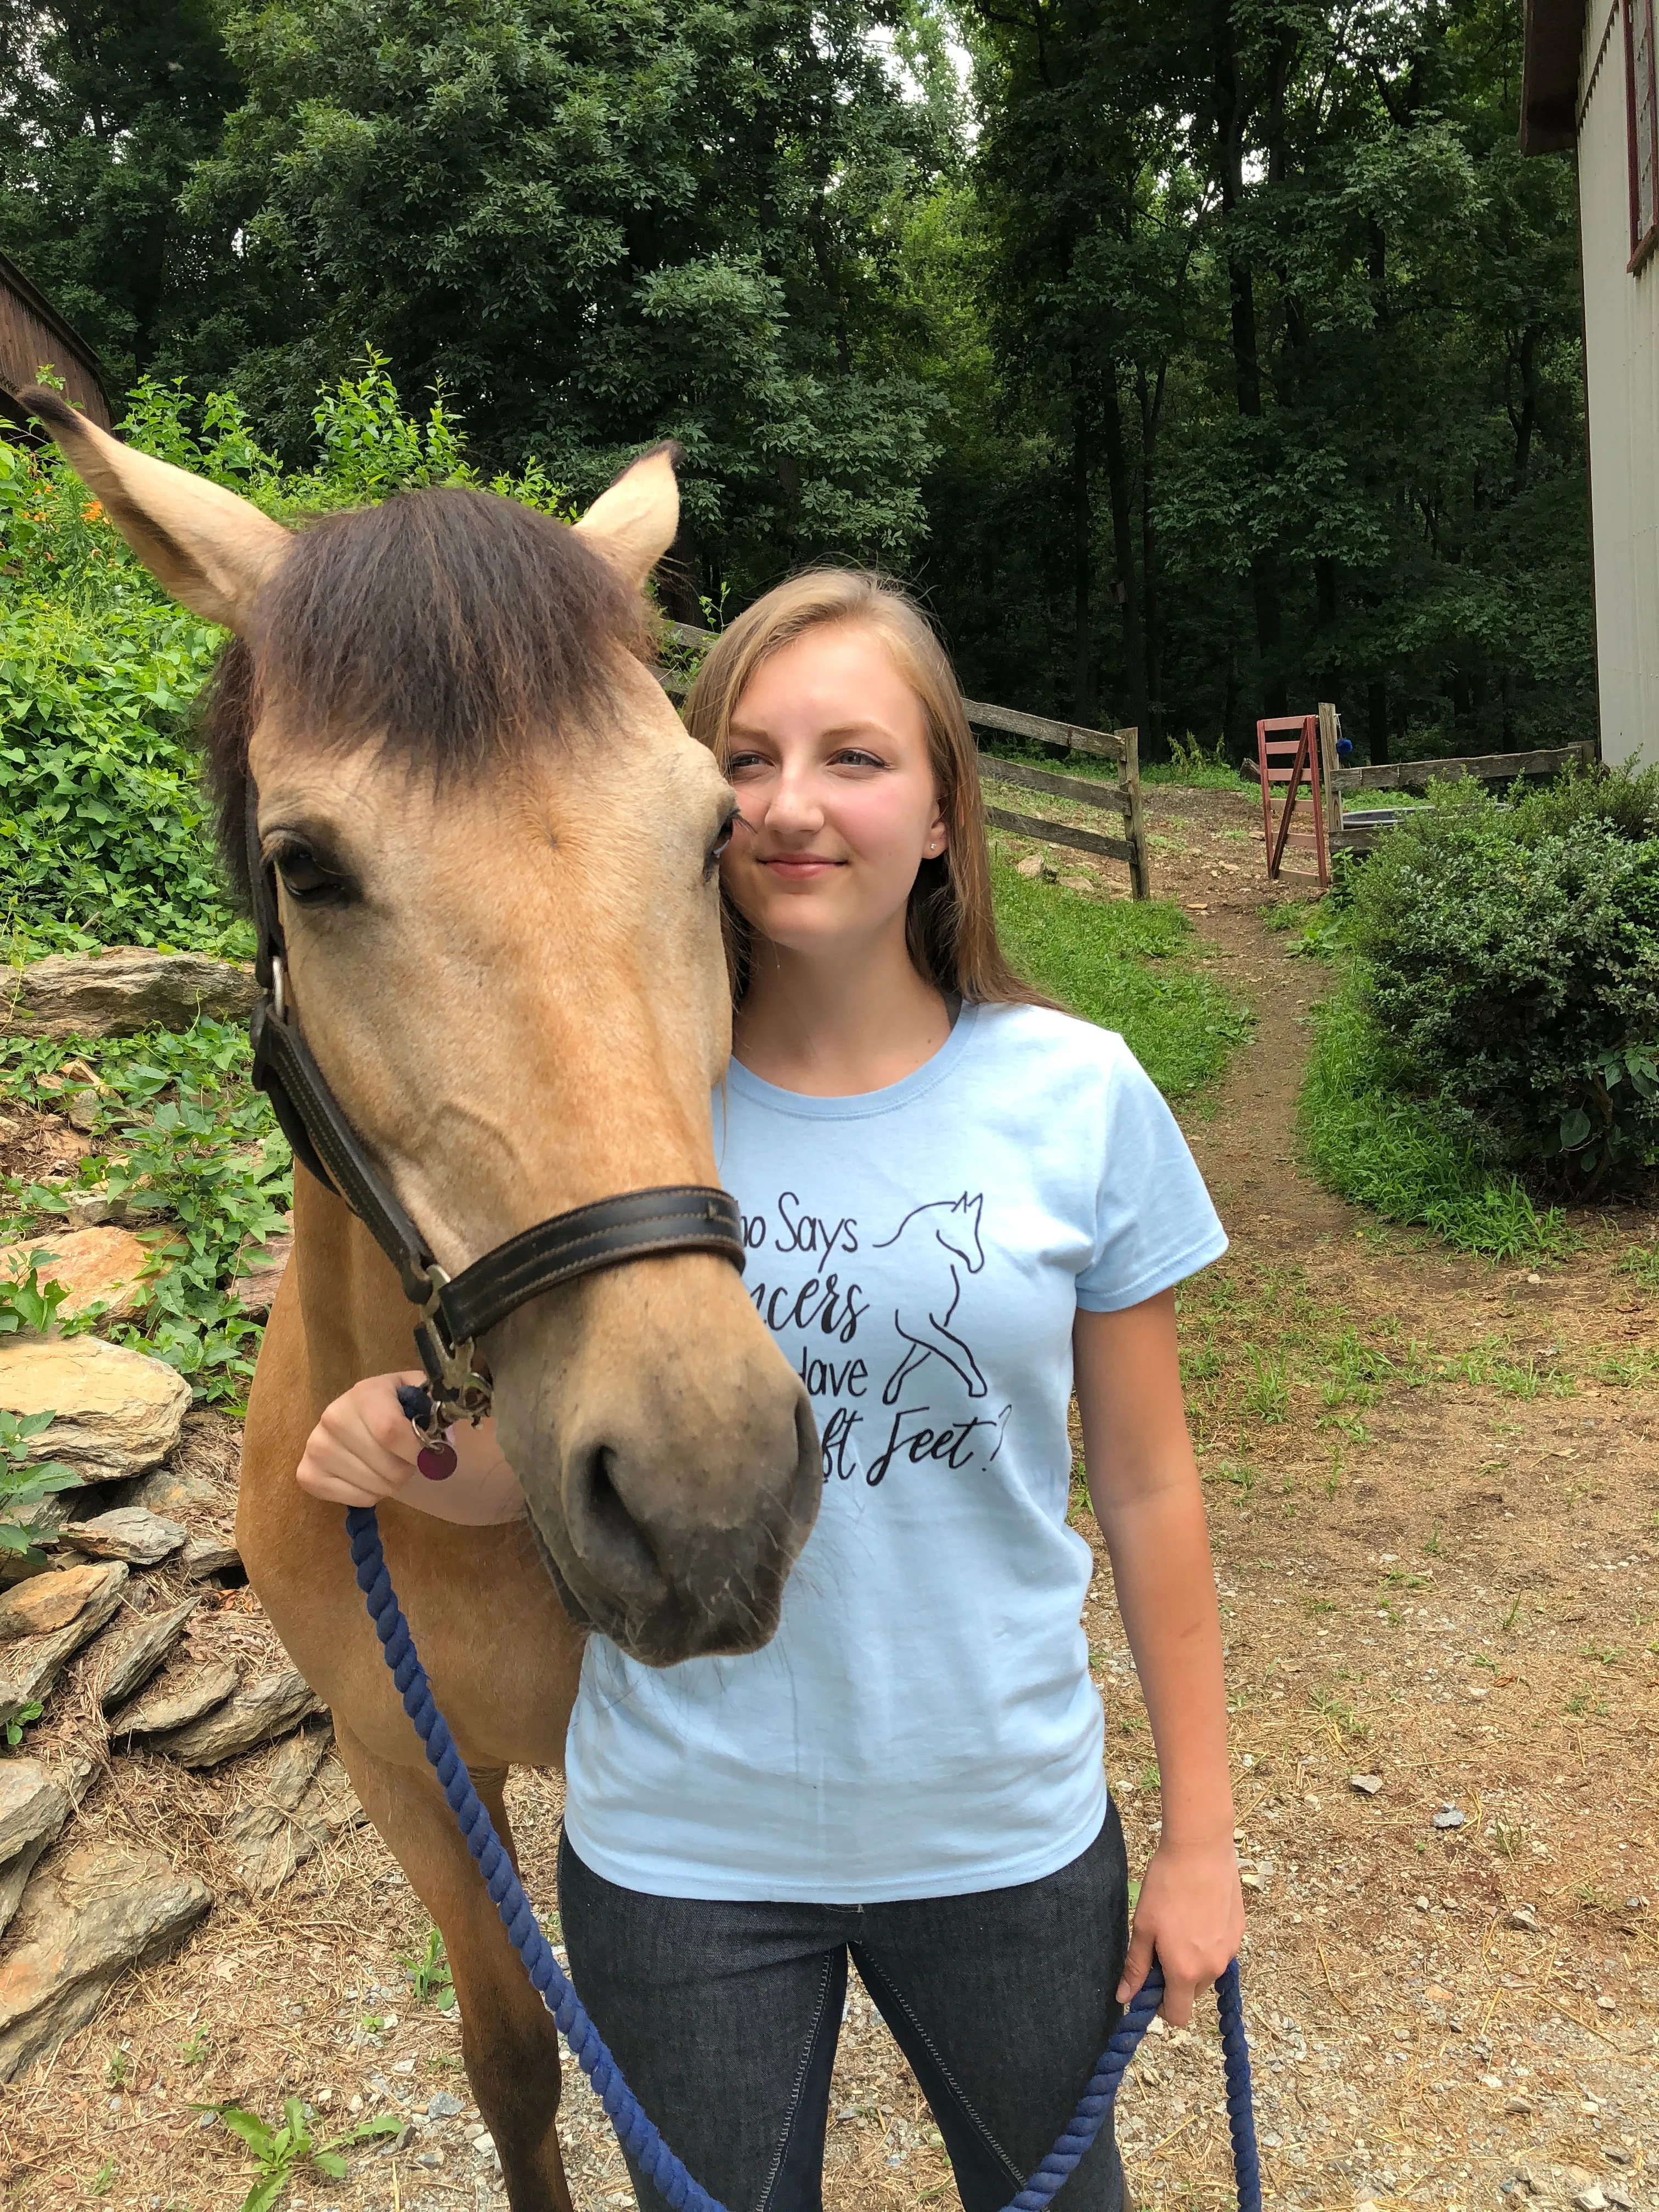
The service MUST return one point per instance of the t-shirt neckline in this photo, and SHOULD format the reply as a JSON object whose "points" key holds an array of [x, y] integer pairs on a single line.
{"points": [[861, 1104]]}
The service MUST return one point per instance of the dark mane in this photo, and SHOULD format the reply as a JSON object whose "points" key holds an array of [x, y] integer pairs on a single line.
{"points": [[453, 626]]}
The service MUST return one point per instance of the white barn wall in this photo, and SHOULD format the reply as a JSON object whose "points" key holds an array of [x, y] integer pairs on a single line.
{"points": [[1621, 353]]}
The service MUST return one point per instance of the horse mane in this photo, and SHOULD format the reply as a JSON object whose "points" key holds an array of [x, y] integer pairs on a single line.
{"points": [[448, 627]]}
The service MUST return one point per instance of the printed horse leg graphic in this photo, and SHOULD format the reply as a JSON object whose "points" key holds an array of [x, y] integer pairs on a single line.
{"points": [[945, 1235]]}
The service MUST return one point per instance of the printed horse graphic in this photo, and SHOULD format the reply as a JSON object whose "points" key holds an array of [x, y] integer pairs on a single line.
{"points": [[945, 1238]]}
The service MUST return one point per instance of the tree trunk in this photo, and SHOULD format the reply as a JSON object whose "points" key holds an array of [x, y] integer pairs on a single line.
{"points": [[1377, 720], [1123, 548], [1231, 117], [1149, 601], [1083, 669]]}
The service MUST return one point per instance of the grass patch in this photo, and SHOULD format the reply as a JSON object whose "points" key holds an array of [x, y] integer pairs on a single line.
{"points": [[1120, 963], [1378, 1148]]}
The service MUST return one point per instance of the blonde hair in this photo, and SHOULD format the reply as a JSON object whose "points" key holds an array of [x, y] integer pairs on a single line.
{"points": [[949, 925]]}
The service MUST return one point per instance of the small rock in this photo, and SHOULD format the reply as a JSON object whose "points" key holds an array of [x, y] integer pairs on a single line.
{"points": [[118, 1411], [83, 1111], [120, 991], [180, 1706], [129, 1532], [1606, 2004], [307, 1798], [209, 1555], [1618, 2195], [256, 1285], [1030, 865], [135, 1656], [1619, 2155], [88, 1209], [46, 1602], [1449, 1817], [445, 2106], [99, 1912], [1421, 1903], [29, 1666], [100, 1267], [1522, 1916], [33, 1809], [1590, 2200], [1519, 2108], [268, 1707], [1367, 1785]]}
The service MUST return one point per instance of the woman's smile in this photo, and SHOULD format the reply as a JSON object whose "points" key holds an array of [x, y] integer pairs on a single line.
{"points": [[797, 867]]}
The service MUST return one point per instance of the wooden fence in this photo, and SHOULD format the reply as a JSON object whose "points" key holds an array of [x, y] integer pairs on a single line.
{"points": [[1120, 797], [1357, 830]]}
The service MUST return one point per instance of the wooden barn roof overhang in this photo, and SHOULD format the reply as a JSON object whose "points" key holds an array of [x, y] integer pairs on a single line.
{"points": [[35, 335], [1554, 40]]}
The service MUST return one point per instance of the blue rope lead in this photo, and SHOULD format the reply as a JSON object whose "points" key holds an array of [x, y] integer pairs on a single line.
{"points": [[635, 2133]]}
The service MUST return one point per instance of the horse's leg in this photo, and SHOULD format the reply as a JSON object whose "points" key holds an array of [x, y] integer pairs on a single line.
{"points": [[907, 1366], [507, 2037]]}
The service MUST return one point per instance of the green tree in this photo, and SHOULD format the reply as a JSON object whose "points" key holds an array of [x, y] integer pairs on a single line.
{"points": [[598, 222], [108, 106]]}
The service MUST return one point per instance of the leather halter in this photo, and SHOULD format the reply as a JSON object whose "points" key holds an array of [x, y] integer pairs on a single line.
{"points": [[454, 1313]]}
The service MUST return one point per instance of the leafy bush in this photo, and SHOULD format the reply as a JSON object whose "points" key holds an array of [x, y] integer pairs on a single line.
{"points": [[1510, 957], [1370, 1141], [106, 836]]}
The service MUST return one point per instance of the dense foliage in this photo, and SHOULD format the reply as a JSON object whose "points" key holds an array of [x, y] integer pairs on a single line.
{"points": [[1511, 961], [1194, 361]]}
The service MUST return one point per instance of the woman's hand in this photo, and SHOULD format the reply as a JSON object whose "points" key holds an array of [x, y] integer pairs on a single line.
{"points": [[1191, 1912], [363, 1450]]}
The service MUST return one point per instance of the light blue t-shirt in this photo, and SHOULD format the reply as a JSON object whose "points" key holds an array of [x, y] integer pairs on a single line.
{"points": [[923, 1723]]}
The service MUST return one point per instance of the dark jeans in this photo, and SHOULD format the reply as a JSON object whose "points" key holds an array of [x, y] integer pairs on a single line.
{"points": [[724, 2018]]}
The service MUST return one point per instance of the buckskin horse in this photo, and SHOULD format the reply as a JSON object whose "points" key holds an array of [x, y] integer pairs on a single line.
{"points": [[493, 846]]}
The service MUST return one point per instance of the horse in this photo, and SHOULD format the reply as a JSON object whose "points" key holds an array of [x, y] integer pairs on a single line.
{"points": [[494, 847], [951, 1225]]}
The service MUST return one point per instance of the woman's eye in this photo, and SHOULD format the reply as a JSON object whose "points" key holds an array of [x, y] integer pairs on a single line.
{"points": [[306, 879], [745, 763], [853, 756]]}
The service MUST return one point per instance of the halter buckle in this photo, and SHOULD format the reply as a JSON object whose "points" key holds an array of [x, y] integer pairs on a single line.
{"points": [[457, 1390]]}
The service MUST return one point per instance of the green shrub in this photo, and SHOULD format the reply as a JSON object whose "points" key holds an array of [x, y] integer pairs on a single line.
{"points": [[1511, 958], [106, 836], [1368, 1139]]}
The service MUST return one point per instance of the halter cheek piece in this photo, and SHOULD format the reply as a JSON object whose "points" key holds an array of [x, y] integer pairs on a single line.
{"points": [[453, 1312]]}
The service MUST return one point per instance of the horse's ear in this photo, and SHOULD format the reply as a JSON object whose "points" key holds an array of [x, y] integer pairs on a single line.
{"points": [[211, 549], [635, 521]]}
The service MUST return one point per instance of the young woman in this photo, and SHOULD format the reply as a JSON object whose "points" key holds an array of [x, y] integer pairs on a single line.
{"points": [[960, 1204]]}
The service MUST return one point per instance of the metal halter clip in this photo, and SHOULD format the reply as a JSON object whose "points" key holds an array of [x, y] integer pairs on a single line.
{"points": [[457, 1391]]}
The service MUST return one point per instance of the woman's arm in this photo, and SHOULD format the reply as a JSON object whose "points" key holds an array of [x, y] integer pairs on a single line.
{"points": [[362, 1451], [1144, 1486]]}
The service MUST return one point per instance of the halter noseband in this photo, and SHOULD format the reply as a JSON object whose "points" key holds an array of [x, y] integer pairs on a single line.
{"points": [[453, 1312]]}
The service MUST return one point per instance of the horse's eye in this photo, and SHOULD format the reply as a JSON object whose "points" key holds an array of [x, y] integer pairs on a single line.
{"points": [[721, 843], [306, 879]]}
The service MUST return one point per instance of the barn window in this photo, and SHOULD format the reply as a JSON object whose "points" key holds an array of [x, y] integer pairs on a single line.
{"points": [[1642, 86]]}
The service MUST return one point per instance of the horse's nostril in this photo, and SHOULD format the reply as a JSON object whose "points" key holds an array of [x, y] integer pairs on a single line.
{"points": [[606, 1536]]}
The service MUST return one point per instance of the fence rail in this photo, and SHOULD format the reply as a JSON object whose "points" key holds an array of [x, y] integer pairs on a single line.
{"points": [[1489, 767]]}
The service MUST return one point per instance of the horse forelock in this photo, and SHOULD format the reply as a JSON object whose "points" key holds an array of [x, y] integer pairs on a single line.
{"points": [[447, 627]]}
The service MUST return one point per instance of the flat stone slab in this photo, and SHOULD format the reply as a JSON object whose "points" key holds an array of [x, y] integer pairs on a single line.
{"points": [[131, 1533], [209, 1555], [95, 1915], [177, 1707], [29, 1666], [137, 1651], [262, 1710], [118, 1411], [46, 1602], [120, 991], [99, 1267], [33, 1809], [306, 1798]]}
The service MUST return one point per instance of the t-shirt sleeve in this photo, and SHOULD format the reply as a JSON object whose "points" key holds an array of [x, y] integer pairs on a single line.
{"points": [[1154, 1224]]}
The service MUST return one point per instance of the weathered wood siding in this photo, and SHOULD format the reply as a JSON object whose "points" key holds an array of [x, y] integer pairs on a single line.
{"points": [[32, 337]]}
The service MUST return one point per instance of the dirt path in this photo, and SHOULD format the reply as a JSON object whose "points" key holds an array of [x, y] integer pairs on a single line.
{"points": [[1434, 1512]]}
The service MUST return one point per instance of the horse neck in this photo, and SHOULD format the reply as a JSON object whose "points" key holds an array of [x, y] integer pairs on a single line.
{"points": [[357, 1321]]}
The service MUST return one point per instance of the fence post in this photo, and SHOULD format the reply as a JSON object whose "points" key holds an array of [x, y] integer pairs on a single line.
{"points": [[1327, 764], [1140, 868]]}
